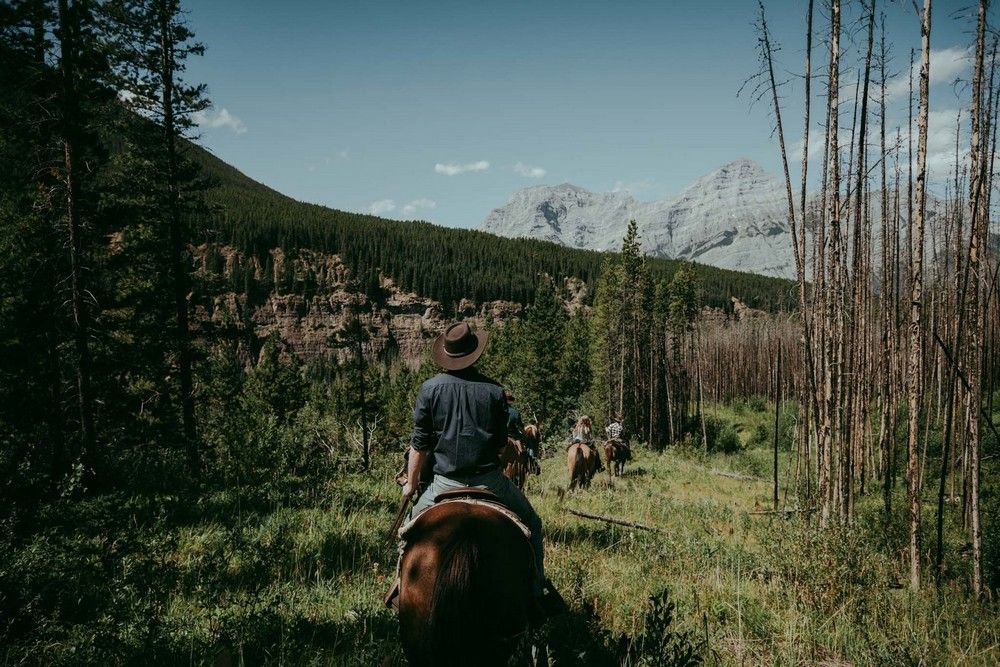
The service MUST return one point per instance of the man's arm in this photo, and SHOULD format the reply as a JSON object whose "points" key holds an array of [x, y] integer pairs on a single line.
{"points": [[414, 467], [421, 443]]}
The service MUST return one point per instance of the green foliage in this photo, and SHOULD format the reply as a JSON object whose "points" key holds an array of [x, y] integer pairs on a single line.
{"points": [[574, 371], [606, 330], [722, 435], [543, 339], [683, 302], [660, 645], [544, 359]]}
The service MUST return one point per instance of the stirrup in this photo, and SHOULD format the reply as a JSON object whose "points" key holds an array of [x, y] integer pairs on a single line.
{"points": [[550, 603], [391, 598]]}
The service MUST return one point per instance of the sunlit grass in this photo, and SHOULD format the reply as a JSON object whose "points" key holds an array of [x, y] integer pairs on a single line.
{"points": [[295, 574]]}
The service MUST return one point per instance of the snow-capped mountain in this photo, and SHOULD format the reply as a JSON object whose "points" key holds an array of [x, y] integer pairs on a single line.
{"points": [[735, 218]]}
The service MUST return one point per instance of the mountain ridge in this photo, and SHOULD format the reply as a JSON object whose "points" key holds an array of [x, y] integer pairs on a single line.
{"points": [[441, 263], [733, 218]]}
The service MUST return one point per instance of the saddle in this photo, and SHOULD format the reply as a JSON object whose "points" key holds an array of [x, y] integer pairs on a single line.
{"points": [[471, 495], [588, 443], [468, 492]]}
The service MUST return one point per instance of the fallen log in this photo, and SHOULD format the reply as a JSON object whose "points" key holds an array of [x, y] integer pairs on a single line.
{"points": [[736, 475], [784, 511], [614, 520]]}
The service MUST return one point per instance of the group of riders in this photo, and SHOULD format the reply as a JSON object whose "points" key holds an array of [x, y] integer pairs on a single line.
{"points": [[462, 421], [581, 432]]}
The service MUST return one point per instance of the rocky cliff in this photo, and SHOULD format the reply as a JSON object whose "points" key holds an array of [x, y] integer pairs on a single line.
{"points": [[308, 298]]}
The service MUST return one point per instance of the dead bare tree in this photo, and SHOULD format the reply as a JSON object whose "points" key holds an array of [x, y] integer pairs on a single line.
{"points": [[914, 370], [832, 311], [977, 302], [69, 131]]}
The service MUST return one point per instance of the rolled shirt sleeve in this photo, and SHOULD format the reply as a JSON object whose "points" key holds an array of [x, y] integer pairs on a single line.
{"points": [[424, 438]]}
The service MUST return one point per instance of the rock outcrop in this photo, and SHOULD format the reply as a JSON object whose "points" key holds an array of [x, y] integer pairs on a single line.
{"points": [[313, 301], [741, 311]]}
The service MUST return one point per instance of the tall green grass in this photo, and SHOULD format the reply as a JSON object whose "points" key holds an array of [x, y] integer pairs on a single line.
{"points": [[294, 573]]}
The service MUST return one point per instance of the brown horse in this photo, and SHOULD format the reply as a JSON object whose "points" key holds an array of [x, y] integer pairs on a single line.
{"points": [[532, 438], [515, 462], [465, 582], [616, 454], [581, 460]]}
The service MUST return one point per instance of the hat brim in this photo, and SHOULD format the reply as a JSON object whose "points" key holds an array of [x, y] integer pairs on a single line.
{"points": [[450, 363]]}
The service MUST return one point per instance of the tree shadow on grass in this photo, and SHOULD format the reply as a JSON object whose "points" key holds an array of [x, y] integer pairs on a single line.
{"points": [[363, 638], [580, 534]]}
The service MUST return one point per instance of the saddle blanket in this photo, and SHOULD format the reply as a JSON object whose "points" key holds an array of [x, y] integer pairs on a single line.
{"points": [[503, 509]]}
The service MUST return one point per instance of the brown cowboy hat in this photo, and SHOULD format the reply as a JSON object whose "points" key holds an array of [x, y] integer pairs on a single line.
{"points": [[458, 347]]}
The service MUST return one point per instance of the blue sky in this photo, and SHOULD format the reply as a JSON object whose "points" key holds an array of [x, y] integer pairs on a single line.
{"points": [[441, 110]]}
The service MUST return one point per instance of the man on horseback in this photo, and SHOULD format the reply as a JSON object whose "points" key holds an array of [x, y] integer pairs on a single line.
{"points": [[462, 419], [515, 426], [615, 432]]}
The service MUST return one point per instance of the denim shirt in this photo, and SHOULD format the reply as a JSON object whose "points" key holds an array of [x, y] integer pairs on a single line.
{"points": [[461, 417]]}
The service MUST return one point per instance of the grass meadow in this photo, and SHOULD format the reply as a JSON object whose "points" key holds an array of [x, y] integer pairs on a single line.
{"points": [[293, 573]]}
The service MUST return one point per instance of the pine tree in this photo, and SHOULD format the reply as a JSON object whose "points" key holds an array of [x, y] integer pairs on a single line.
{"points": [[574, 368], [543, 333], [74, 34], [682, 310], [606, 341], [152, 44]]}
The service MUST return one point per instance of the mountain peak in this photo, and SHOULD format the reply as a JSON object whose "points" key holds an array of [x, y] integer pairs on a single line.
{"points": [[744, 168], [732, 217]]}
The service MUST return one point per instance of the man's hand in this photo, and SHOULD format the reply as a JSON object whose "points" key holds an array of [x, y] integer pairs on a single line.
{"points": [[415, 465]]}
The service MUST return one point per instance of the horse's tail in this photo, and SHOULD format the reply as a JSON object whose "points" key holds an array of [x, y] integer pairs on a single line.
{"points": [[576, 473], [455, 601]]}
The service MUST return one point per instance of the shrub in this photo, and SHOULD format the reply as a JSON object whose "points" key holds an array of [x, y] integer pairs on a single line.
{"points": [[722, 435], [660, 645], [761, 437]]}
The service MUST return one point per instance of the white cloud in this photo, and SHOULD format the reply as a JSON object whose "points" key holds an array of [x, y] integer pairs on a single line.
{"points": [[417, 204], [453, 169], [817, 142], [382, 206], [344, 154], [946, 65], [528, 171], [633, 187], [219, 118]]}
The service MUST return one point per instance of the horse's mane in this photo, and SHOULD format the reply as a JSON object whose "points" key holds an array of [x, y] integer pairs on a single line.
{"points": [[455, 599]]}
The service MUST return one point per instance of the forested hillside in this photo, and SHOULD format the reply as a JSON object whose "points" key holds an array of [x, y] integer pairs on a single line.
{"points": [[437, 262]]}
